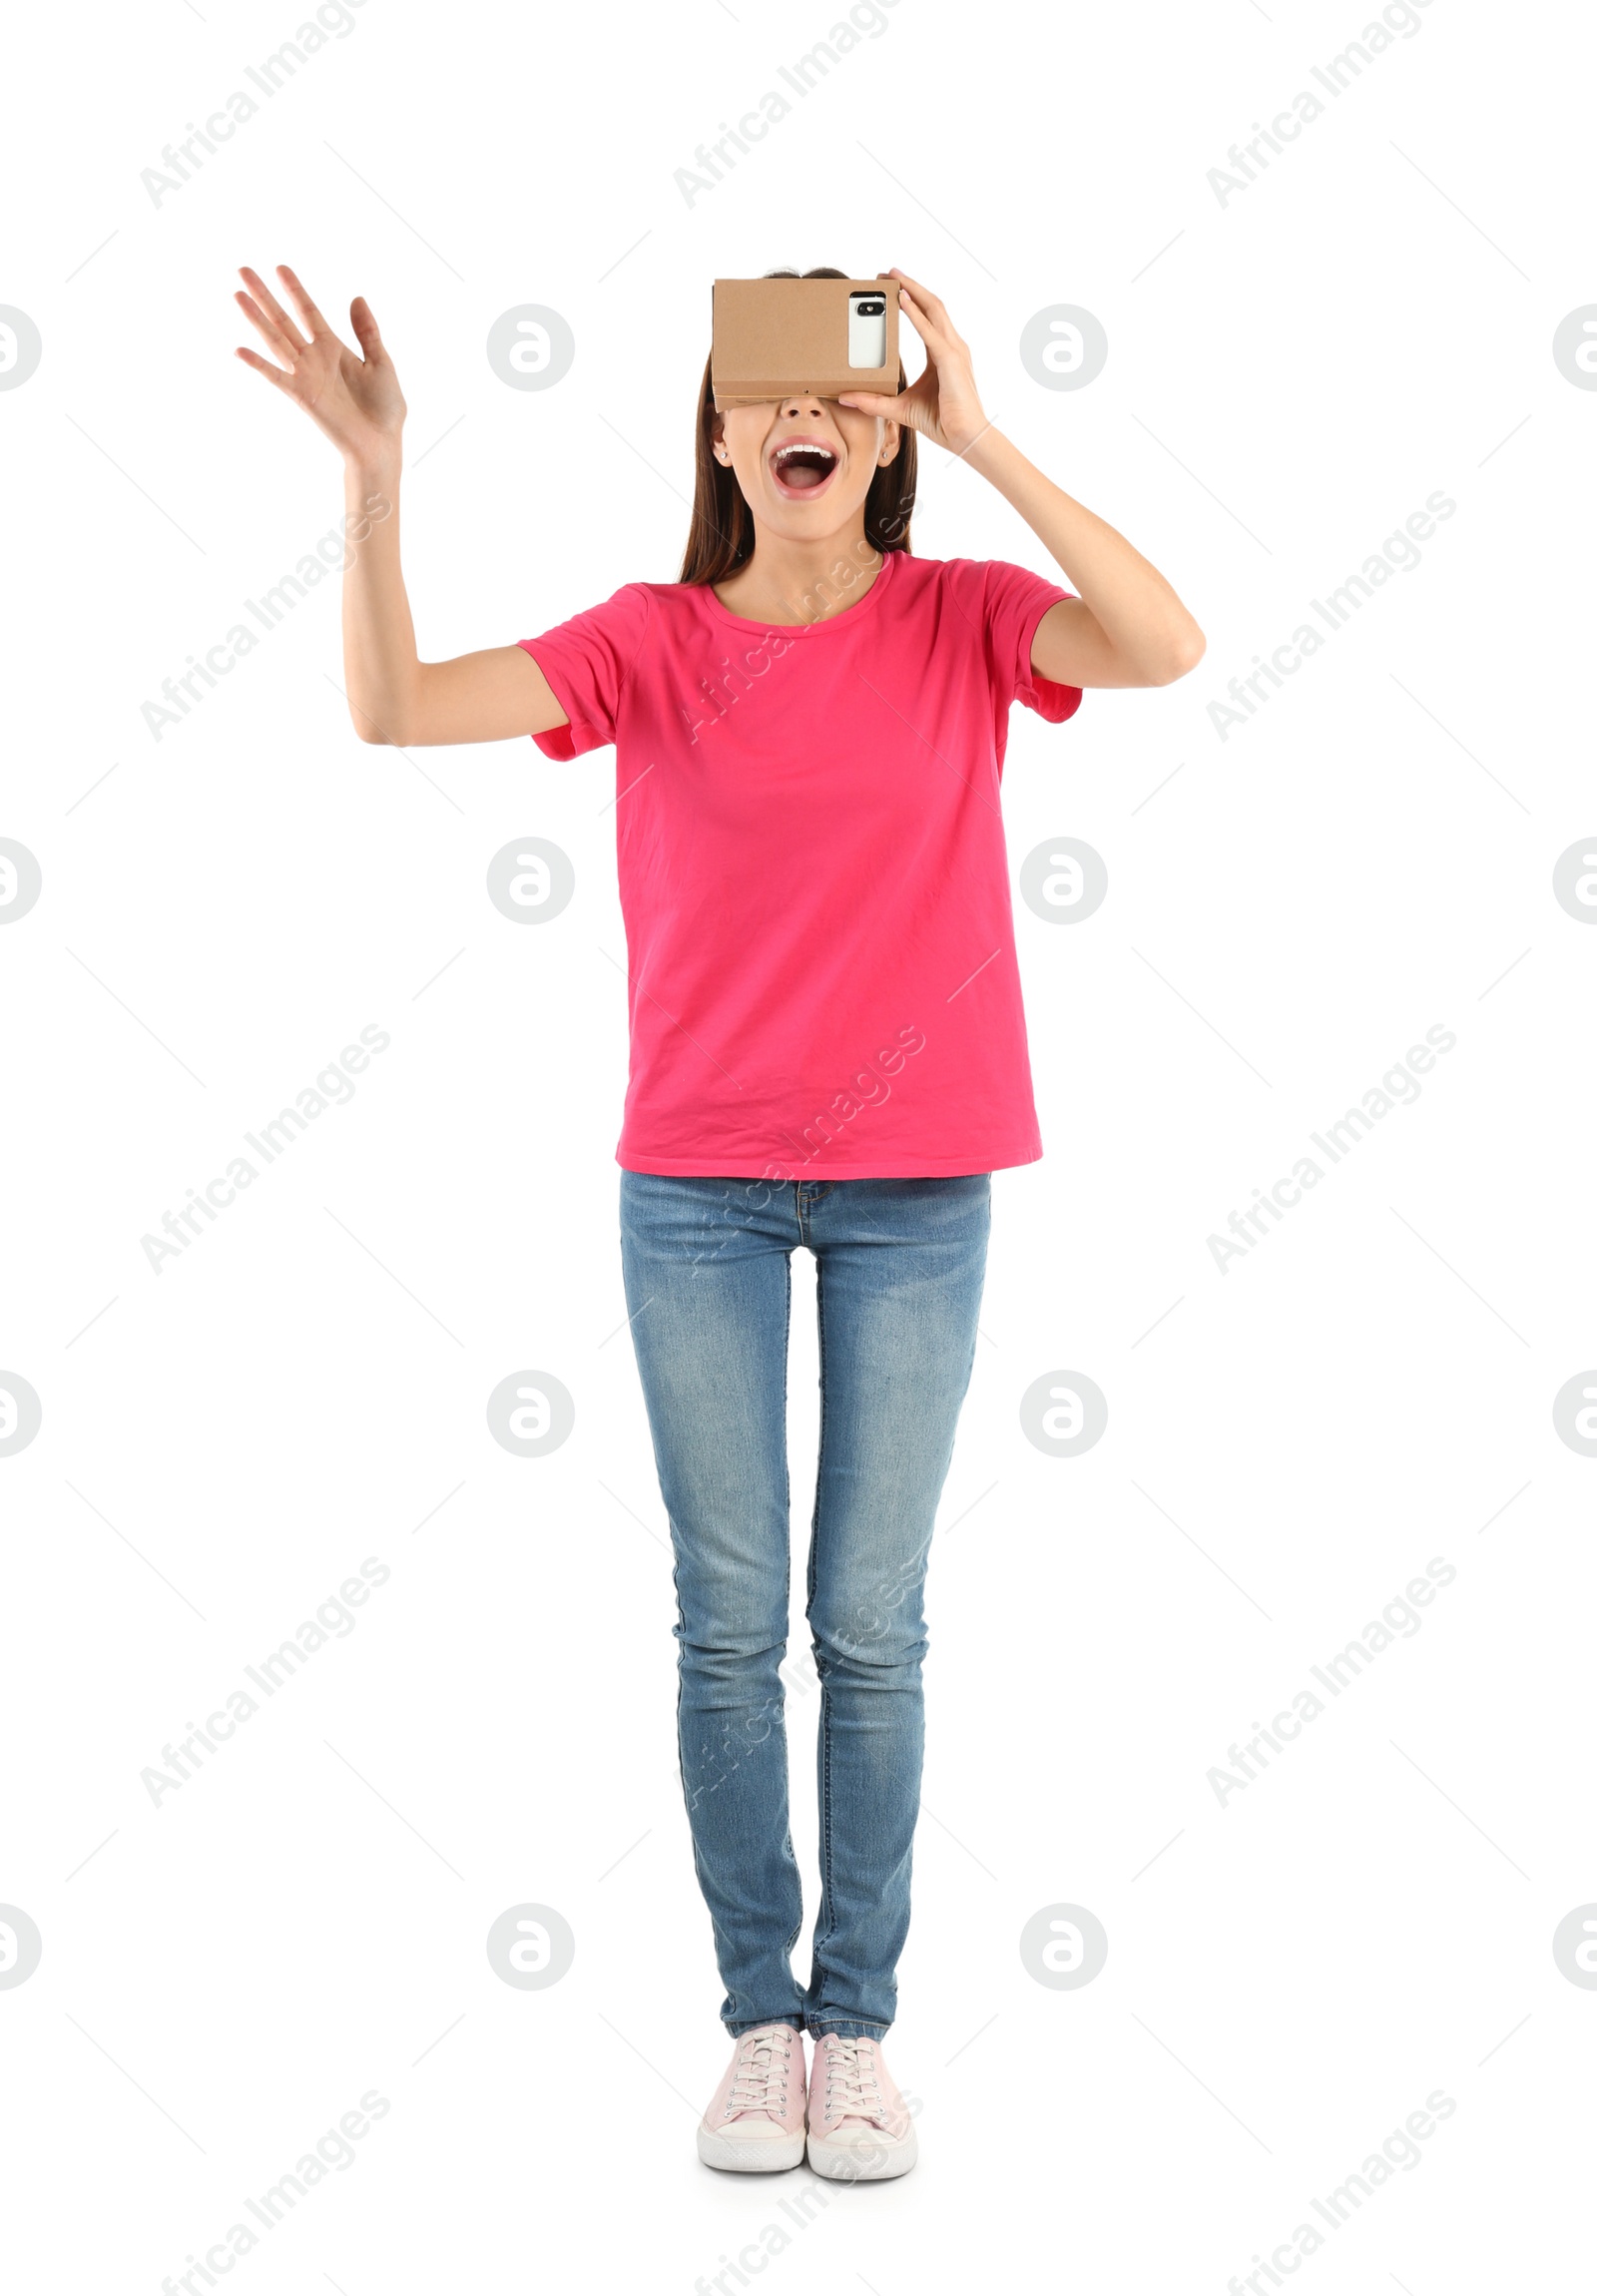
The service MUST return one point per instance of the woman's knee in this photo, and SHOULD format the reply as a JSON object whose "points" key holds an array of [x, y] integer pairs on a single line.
{"points": [[727, 1647], [867, 1646]]}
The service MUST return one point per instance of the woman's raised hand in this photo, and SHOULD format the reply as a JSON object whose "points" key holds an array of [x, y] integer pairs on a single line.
{"points": [[942, 402], [357, 402]]}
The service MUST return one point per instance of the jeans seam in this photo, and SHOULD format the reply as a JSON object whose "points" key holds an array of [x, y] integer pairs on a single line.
{"points": [[787, 1462], [811, 1573], [823, 1922], [787, 1578]]}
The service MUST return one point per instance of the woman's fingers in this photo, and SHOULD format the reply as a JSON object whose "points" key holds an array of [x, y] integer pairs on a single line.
{"points": [[266, 367], [366, 327], [268, 329], [937, 345], [269, 303], [933, 314], [872, 402], [311, 317], [933, 335], [915, 315], [935, 310]]}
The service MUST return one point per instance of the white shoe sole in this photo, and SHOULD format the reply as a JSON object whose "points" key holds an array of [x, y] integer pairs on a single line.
{"points": [[865, 2160], [756, 2155]]}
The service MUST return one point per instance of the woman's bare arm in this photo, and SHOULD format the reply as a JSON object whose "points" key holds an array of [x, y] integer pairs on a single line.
{"points": [[393, 696], [1127, 626]]}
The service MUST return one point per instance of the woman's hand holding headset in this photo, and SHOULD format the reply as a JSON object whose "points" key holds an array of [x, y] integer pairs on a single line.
{"points": [[1124, 626], [942, 404]]}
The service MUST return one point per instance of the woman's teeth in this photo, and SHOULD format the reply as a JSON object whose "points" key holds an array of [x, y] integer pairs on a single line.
{"points": [[803, 466]]}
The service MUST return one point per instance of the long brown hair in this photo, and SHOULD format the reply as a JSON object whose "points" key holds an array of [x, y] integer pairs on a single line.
{"points": [[721, 537]]}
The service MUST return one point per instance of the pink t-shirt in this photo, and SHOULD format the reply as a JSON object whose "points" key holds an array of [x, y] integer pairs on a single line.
{"points": [[822, 979]]}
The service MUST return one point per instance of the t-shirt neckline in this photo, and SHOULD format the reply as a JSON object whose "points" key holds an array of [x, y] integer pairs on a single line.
{"points": [[808, 629]]}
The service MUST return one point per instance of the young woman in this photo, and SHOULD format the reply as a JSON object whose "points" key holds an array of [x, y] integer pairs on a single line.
{"points": [[827, 1051]]}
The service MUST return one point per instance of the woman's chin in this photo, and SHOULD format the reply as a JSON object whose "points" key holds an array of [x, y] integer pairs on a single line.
{"points": [[808, 516]]}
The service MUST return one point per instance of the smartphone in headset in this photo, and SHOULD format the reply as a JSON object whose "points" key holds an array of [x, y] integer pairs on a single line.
{"points": [[868, 329]]}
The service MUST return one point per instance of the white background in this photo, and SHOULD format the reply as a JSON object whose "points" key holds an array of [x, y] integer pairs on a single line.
{"points": [[1289, 376]]}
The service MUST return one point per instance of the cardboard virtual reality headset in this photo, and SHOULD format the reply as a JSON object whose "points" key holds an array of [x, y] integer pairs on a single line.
{"points": [[771, 337]]}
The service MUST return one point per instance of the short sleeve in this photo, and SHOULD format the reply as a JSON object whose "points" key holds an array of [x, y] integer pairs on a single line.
{"points": [[1014, 602], [588, 662]]}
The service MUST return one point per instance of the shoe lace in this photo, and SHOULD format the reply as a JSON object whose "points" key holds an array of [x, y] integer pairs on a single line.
{"points": [[760, 2083], [854, 2079]]}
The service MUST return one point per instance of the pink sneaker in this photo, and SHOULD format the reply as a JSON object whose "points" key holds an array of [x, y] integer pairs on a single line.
{"points": [[859, 2125], [756, 2119]]}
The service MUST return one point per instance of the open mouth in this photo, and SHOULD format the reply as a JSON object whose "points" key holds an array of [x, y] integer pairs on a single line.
{"points": [[803, 466]]}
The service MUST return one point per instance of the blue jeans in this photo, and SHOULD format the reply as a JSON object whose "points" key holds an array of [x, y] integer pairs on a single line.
{"points": [[708, 1264]]}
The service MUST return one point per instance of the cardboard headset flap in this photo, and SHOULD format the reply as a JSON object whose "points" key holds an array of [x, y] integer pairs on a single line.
{"points": [[770, 336]]}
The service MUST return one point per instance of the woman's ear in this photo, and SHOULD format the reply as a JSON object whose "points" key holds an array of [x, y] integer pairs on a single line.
{"points": [[718, 441], [891, 439]]}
